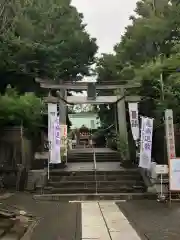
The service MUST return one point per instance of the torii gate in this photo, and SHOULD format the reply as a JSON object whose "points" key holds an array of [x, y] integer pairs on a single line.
{"points": [[120, 99]]}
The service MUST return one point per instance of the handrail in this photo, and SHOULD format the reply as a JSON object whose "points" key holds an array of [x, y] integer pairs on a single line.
{"points": [[95, 167], [94, 159], [112, 125]]}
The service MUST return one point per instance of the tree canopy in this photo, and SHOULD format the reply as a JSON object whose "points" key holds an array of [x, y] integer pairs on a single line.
{"points": [[17, 110], [44, 38], [147, 52]]}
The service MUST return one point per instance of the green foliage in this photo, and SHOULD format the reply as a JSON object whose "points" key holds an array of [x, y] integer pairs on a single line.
{"points": [[106, 114], [107, 68], [44, 38], [149, 53], [39, 38], [122, 147], [19, 110]]}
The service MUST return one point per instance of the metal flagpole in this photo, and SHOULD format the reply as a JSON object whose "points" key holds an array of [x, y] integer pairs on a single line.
{"points": [[49, 152]]}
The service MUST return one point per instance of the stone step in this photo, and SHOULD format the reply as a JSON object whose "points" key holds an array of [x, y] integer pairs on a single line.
{"points": [[98, 178], [71, 160], [87, 184], [91, 155], [90, 151], [95, 196], [121, 171], [105, 189]]}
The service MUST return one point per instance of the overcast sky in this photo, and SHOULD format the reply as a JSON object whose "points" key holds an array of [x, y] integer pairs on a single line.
{"points": [[106, 19]]}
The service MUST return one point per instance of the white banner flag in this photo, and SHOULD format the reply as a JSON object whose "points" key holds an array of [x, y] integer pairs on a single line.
{"points": [[63, 130], [146, 142], [56, 143], [170, 140], [52, 117], [134, 120]]}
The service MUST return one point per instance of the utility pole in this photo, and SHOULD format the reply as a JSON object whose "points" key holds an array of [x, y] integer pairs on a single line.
{"points": [[162, 86], [162, 78], [154, 6]]}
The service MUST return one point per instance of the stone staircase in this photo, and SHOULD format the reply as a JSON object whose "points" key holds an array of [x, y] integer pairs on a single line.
{"points": [[87, 182], [86, 155], [80, 181]]}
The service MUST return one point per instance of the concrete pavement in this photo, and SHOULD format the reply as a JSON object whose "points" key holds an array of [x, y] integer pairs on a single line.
{"points": [[56, 221], [103, 220], [74, 221], [153, 220]]}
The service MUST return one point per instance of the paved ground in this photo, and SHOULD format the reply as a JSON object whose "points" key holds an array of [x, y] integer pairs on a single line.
{"points": [[75, 221], [57, 221], [153, 220], [104, 220]]}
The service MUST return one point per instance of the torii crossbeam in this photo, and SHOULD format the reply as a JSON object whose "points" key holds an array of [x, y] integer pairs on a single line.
{"points": [[119, 99]]}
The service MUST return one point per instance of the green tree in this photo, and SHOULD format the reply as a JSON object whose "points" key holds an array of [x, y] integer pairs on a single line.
{"points": [[43, 38], [16, 110], [148, 50]]}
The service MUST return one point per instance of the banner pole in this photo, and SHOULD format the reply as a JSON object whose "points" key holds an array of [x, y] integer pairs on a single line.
{"points": [[48, 160], [161, 186], [170, 198], [48, 168]]}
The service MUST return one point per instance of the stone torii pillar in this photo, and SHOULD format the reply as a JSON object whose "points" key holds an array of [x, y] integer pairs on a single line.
{"points": [[62, 94], [122, 121], [122, 124]]}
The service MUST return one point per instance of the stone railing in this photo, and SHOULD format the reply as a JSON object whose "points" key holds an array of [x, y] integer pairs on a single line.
{"points": [[153, 181]]}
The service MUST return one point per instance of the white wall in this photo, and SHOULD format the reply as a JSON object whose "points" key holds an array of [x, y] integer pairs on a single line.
{"points": [[89, 120]]}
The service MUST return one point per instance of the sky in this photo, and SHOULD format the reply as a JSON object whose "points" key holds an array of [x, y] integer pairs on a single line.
{"points": [[106, 20]]}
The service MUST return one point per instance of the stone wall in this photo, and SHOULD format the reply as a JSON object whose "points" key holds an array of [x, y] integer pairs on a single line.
{"points": [[15, 148], [36, 179], [15, 151]]}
